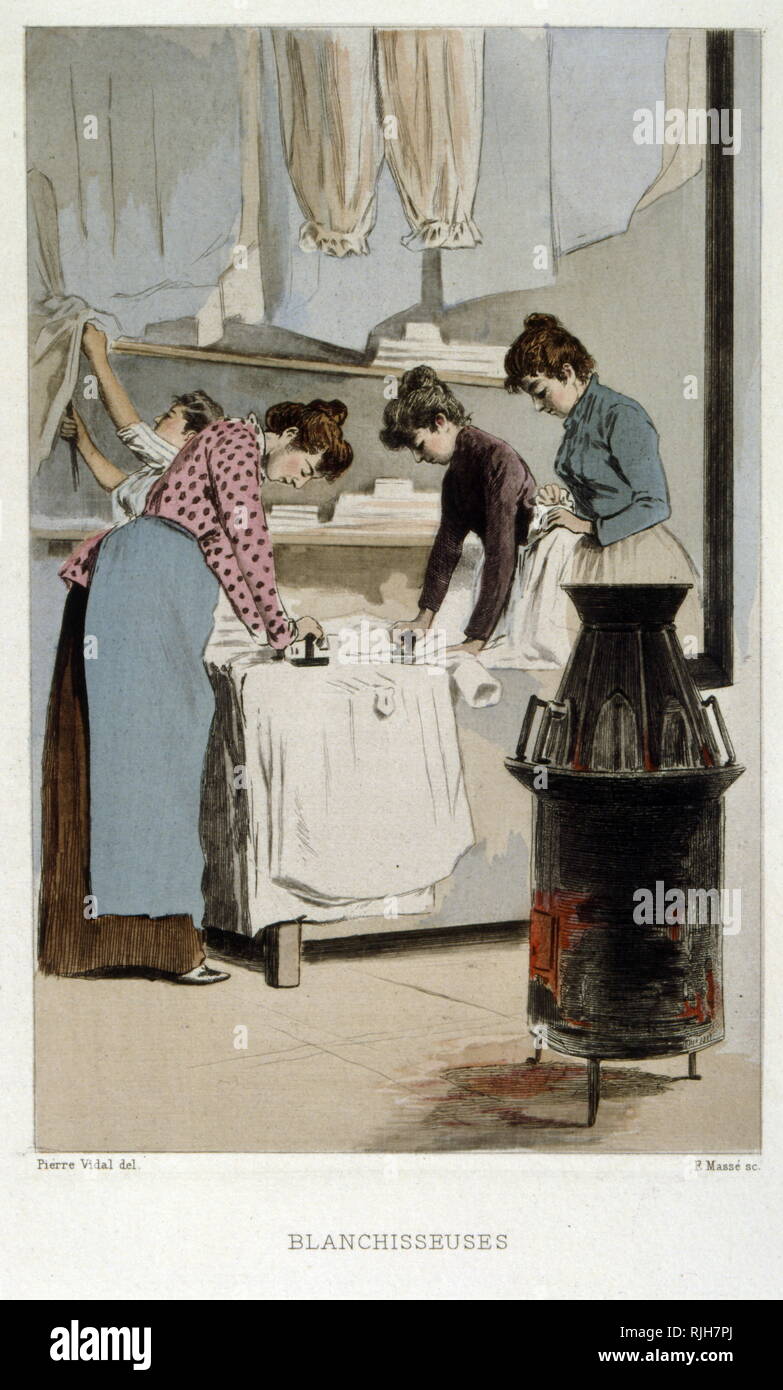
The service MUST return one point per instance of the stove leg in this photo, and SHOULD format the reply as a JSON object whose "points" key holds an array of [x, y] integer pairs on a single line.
{"points": [[537, 1050], [593, 1089], [693, 1075]]}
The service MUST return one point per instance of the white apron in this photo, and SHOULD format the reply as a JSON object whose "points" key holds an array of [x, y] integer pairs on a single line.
{"points": [[537, 628]]}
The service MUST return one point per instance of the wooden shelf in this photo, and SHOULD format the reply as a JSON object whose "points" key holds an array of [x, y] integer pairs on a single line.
{"points": [[349, 535], [294, 364], [64, 532], [316, 535]]}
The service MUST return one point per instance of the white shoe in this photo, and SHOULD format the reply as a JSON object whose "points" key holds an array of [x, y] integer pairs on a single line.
{"points": [[203, 975]]}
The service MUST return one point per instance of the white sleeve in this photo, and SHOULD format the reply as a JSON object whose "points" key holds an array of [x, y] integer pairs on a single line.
{"points": [[129, 497], [142, 440]]}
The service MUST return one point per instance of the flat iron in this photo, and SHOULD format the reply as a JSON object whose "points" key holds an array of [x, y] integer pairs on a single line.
{"points": [[404, 649], [308, 653]]}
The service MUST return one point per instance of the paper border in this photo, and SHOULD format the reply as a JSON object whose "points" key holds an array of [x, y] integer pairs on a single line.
{"points": [[193, 1226]]}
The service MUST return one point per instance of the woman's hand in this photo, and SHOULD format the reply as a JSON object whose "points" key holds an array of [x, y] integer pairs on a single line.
{"points": [[561, 516], [550, 495], [309, 627], [72, 427], [421, 623], [94, 342], [470, 648]]}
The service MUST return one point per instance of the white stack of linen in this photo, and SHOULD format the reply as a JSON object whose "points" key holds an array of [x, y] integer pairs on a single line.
{"points": [[293, 516], [331, 792], [392, 504]]}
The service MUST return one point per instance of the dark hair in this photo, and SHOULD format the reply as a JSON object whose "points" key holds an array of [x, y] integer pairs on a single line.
{"points": [[421, 396], [544, 349], [200, 409], [318, 431]]}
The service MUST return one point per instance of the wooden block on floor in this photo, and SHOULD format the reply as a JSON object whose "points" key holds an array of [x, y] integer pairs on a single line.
{"points": [[282, 954]]}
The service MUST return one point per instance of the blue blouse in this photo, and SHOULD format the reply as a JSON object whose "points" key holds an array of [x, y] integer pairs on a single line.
{"points": [[610, 463]]}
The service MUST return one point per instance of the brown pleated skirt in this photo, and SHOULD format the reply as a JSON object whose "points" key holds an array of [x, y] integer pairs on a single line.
{"points": [[69, 942]]}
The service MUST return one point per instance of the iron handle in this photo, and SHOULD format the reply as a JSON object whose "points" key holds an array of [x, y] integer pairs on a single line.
{"points": [[552, 710], [712, 703], [527, 725]]}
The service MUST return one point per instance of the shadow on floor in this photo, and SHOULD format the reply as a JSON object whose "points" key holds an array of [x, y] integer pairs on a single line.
{"points": [[474, 1107]]}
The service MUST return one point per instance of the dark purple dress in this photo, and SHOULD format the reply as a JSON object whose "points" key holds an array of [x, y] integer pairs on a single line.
{"points": [[487, 489]]}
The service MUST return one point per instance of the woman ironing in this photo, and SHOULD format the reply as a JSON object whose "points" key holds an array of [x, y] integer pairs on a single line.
{"points": [[132, 705], [487, 489]]}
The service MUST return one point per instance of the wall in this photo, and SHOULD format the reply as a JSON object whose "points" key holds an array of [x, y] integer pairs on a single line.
{"points": [[636, 300]]}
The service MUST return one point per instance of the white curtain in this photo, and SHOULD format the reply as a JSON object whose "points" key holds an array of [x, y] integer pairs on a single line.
{"points": [[190, 164], [55, 322], [598, 79], [686, 89], [431, 94], [331, 132], [239, 293], [138, 132], [513, 204]]}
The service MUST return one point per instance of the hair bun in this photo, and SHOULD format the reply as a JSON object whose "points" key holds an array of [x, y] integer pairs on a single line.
{"points": [[536, 321], [334, 409], [416, 379]]}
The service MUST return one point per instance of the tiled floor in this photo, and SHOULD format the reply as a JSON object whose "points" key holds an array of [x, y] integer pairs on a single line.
{"points": [[424, 1051]]}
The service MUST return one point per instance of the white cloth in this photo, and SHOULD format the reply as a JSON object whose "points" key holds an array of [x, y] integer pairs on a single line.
{"points": [[685, 90], [539, 625], [431, 82], [331, 132], [353, 801], [471, 679], [537, 630], [142, 234], [356, 804], [128, 498], [147, 445], [56, 321], [359, 640]]}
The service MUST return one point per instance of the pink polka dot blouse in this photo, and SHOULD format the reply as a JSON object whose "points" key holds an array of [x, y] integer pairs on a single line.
{"points": [[212, 489]]}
